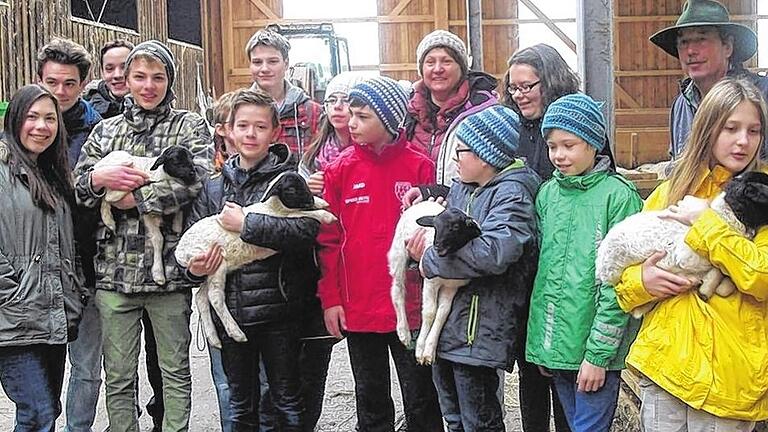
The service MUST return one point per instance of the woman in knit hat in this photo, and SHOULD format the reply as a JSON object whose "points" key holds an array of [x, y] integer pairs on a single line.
{"points": [[538, 76], [576, 330], [447, 93]]}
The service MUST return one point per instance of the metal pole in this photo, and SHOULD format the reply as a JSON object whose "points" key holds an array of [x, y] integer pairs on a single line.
{"points": [[475, 33]]}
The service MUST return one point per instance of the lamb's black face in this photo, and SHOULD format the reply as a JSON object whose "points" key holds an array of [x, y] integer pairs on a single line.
{"points": [[293, 192], [179, 163], [453, 230], [747, 195]]}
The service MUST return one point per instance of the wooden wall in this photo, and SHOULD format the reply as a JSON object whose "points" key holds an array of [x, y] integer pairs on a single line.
{"points": [[26, 25], [646, 78]]}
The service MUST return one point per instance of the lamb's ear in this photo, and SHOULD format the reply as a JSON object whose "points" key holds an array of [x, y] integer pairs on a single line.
{"points": [[758, 192], [160, 160], [426, 221]]}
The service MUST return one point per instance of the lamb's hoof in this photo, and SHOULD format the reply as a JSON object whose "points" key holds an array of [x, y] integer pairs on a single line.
{"points": [[405, 336], [214, 341], [237, 335], [425, 360], [703, 296], [159, 278], [725, 288]]}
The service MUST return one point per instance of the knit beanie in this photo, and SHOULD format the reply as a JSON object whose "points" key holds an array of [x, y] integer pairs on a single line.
{"points": [[160, 52], [343, 82], [578, 114], [387, 99], [493, 134], [443, 39]]}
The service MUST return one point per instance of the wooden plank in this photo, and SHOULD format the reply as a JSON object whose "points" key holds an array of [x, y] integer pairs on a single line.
{"points": [[399, 8], [441, 14], [624, 96], [264, 9], [648, 73], [551, 25], [512, 21]]}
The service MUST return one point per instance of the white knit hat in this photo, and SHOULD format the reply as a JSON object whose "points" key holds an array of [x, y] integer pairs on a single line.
{"points": [[343, 82], [446, 39]]}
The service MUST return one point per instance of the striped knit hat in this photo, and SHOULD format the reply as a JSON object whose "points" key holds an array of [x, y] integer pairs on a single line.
{"points": [[578, 114], [386, 98], [493, 134], [343, 82]]}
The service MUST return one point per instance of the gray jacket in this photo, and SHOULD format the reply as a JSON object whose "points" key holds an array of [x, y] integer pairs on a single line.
{"points": [[41, 295]]}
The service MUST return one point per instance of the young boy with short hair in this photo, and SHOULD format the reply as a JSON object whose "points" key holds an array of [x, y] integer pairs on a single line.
{"points": [[576, 330], [485, 325], [364, 187], [264, 296]]}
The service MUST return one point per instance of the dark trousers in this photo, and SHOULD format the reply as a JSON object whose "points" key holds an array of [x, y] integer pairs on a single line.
{"points": [[468, 397], [314, 358], [368, 354], [534, 392], [32, 377], [155, 406], [278, 346]]}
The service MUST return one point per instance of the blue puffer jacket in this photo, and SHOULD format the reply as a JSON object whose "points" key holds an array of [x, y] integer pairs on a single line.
{"points": [[488, 317], [687, 102], [79, 121]]}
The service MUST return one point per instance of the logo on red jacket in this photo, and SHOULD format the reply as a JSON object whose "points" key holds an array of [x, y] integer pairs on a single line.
{"points": [[401, 188]]}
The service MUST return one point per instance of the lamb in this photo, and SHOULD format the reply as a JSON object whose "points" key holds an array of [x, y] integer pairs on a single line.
{"points": [[288, 196], [452, 230], [743, 205], [174, 162]]}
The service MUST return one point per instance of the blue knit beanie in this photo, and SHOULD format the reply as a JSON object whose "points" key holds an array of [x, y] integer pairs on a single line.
{"points": [[387, 99], [578, 114], [493, 134]]}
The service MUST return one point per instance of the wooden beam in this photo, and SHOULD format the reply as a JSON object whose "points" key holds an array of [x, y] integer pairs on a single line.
{"points": [[548, 22], [397, 67], [512, 21], [624, 96], [399, 8], [647, 73], [383, 19], [441, 14], [264, 9]]}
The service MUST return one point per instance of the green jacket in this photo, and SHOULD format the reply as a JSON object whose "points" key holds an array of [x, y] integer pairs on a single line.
{"points": [[572, 317], [124, 260]]}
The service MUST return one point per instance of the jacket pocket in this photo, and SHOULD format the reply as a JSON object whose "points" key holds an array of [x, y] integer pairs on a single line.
{"points": [[472, 319], [23, 277]]}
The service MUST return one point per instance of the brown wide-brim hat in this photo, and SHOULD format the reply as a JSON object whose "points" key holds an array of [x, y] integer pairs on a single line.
{"points": [[708, 13]]}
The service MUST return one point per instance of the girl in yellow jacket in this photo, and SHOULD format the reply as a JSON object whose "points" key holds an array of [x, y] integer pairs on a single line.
{"points": [[705, 364]]}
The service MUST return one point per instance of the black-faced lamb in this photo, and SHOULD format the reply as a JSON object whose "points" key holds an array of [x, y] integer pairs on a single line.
{"points": [[286, 196], [743, 205], [449, 230], [174, 162]]}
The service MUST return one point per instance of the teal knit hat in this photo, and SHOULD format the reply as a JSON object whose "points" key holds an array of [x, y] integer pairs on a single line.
{"points": [[578, 114], [493, 134]]}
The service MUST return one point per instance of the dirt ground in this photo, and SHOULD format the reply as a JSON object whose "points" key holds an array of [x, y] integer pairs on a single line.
{"points": [[338, 409]]}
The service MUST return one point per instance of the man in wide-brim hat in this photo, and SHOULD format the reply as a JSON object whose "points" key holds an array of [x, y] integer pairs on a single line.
{"points": [[709, 47]]}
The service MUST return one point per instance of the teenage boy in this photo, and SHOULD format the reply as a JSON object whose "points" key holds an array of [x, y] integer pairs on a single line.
{"points": [[108, 94], [125, 288], [364, 187]]}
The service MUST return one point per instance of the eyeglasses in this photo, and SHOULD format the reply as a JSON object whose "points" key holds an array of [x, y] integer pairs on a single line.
{"points": [[333, 100], [523, 89], [459, 151]]}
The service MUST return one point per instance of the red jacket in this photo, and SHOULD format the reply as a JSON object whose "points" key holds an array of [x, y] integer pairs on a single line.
{"points": [[364, 190]]}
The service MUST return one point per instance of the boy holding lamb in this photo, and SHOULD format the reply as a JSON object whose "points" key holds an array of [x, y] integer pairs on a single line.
{"points": [[264, 297], [576, 331], [486, 323]]}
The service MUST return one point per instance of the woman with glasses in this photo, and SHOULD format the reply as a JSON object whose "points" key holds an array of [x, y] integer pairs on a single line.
{"points": [[538, 76]]}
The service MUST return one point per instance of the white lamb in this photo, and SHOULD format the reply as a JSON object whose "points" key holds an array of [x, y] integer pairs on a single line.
{"points": [[743, 206], [449, 230], [174, 162], [286, 196]]}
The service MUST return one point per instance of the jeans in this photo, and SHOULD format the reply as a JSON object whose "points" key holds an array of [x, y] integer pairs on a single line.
{"points": [[314, 358], [534, 394], [85, 372], [32, 377], [277, 344], [468, 396], [221, 383], [369, 356], [121, 317], [592, 411]]}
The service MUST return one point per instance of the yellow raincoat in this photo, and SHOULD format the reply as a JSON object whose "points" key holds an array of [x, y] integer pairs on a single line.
{"points": [[711, 355]]}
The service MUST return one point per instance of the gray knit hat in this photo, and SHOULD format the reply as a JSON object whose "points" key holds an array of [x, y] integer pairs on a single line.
{"points": [[343, 82], [443, 39], [159, 51], [386, 98], [493, 134], [270, 39], [578, 114]]}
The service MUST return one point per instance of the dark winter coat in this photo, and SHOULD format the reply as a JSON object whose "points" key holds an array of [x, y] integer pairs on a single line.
{"points": [[487, 321], [274, 289], [41, 294], [103, 101]]}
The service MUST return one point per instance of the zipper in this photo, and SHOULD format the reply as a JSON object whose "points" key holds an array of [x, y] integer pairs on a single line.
{"points": [[472, 319]]}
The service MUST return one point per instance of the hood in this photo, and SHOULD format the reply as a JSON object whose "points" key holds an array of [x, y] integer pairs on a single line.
{"points": [[601, 169], [293, 96], [520, 173], [279, 159]]}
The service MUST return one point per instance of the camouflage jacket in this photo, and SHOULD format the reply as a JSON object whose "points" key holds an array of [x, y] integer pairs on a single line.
{"points": [[124, 259]]}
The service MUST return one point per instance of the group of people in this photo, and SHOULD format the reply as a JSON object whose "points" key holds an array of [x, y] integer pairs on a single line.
{"points": [[532, 167]]}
